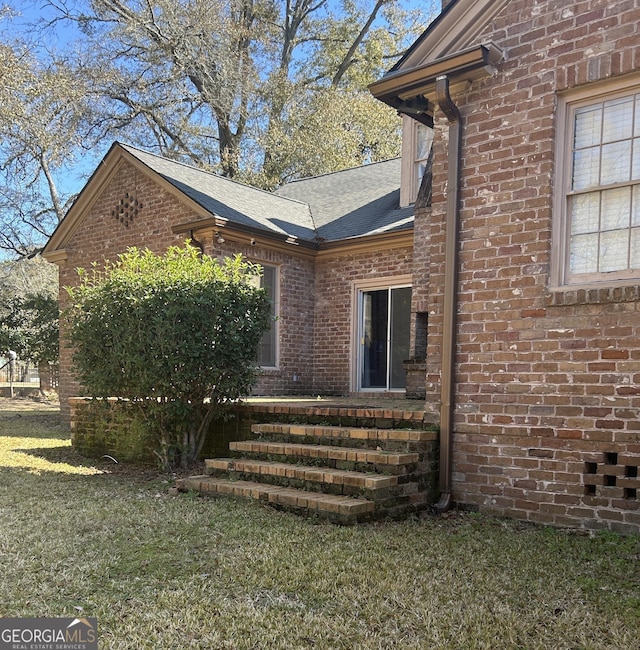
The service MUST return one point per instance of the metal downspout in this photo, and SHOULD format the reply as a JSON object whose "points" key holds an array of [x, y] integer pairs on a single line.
{"points": [[447, 378]]}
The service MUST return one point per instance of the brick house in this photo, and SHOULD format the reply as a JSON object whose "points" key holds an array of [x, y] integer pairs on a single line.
{"points": [[346, 249], [531, 276], [522, 254]]}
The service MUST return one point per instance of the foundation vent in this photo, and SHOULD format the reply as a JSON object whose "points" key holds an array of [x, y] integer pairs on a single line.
{"points": [[612, 475]]}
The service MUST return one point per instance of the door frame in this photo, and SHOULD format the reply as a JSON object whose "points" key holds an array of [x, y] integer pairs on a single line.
{"points": [[359, 286]]}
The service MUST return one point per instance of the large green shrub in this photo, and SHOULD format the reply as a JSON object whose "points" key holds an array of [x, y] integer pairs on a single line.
{"points": [[177, 335]]}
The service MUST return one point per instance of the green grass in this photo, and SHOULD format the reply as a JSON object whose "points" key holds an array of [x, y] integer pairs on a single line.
{"points": [[180, 572]]}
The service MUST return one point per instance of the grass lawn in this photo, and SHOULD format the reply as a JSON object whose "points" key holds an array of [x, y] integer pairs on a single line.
{"points": [[160, 572]]}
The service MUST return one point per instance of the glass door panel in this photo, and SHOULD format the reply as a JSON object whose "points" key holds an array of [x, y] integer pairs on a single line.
{"points": [[374, 339], [399, 335], [384, 337]]}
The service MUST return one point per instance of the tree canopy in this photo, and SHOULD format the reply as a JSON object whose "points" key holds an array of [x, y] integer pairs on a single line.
{"points": [[29, 309], [264, 91]]}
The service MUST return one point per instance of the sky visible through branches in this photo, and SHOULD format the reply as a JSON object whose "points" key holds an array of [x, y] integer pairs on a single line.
{"points": [[263, 125]]}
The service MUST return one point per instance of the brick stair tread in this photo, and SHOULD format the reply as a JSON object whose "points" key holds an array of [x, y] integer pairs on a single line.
{"points": [[355, 433], [288, 497], [365, 480], [330, 452]]}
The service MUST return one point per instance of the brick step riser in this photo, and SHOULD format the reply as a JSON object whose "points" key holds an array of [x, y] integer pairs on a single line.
{"points": [[414, 504], [310, 473], [360, 443], [369, 436], [201, 485], [319, 453], [425, 481], [382, 495], [345, 465], [392, 507]]}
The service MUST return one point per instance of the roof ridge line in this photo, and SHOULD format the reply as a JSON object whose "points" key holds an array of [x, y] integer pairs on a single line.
{"points": [[127, 146], [340, 171]]}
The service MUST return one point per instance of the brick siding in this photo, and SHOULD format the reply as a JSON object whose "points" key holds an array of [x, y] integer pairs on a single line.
{"points": [[102, 237], [314, 316], [294, 374], [547, 385]]}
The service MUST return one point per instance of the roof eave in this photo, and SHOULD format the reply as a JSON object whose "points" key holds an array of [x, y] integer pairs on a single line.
{"points": [[399, 88], [362, 243], [241, 232]]}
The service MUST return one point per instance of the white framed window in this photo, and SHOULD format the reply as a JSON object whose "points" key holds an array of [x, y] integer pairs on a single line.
{"points": [[597, 203], [417, 139], [381, 330]]}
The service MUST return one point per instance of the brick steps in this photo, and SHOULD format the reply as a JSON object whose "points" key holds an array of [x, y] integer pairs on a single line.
{"points": [[328, 452], [339, 509], [390, 439], [304, 472], [306, 477], [344, 474]]}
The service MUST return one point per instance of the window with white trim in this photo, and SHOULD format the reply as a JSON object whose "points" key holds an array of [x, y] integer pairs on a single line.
{"points": [[268, 352], [599, 232], [424, 140], [417, 139]]}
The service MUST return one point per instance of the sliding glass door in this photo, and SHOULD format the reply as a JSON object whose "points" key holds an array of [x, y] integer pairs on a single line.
{"points": [[384, 329]]}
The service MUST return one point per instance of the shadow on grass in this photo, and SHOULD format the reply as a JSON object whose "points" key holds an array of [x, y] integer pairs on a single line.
{"points": [[34, 442]]}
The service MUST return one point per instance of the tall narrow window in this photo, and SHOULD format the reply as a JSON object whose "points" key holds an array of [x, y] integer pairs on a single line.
{"points": [[424, 140], [267, 357], [417, 139], [601, 189]]}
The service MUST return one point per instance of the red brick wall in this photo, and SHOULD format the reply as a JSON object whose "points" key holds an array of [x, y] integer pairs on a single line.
{"points": [[294, 373], [547, 424], [314, 316], [335, 278], [101, 236]]}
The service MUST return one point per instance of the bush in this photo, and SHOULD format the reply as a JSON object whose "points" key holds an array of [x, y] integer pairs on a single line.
{"points": [[177, 335]]}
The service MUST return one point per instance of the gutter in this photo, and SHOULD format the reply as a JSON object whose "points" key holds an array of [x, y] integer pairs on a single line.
{"points": [[414, 91], [447, 378]]}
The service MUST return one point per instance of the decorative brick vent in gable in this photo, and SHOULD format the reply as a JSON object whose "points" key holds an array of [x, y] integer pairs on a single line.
{"points": [[127, 209], [612, 475]]}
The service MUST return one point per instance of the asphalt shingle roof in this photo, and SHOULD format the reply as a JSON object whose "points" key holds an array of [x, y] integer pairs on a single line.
{"points": [[354, 202], [351, 203]]}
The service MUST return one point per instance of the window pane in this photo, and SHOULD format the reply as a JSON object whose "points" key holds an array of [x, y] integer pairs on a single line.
{"points": [[617, 123], [635, 210], [616, 208], [421, 168], [614, 249], [634, 262], [425, 137], [586, 168], [267, 354], [635, 170], [583, 257], [616, 162], [399, 335], [585, 213], [587, 127]]}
